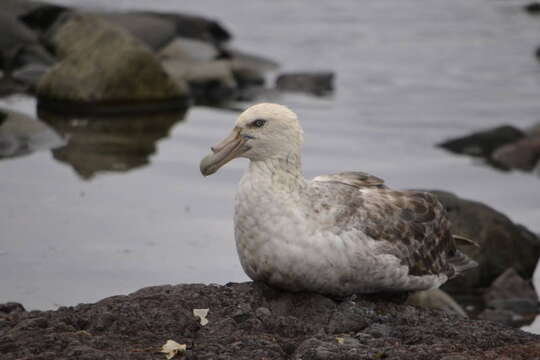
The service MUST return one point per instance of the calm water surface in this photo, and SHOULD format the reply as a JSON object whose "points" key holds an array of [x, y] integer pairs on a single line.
{"points": [[124, 208]]}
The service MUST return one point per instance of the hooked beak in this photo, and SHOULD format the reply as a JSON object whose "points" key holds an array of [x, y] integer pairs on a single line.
{"points": [[231, 147]]}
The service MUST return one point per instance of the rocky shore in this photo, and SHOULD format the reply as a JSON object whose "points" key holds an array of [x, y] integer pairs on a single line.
{"points": [[81, 61], [253, 321]]}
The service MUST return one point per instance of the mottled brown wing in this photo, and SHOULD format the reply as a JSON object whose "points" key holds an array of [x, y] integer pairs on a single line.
{"points": [[415, 223], [352, 178]]}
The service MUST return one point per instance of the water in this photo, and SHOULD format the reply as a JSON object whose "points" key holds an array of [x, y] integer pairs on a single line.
{"points": [[75, 227]]}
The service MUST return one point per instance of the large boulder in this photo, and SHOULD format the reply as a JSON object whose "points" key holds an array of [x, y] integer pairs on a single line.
{"points": [[214, 74], [102, 63], [253, 321], [502, 243]]}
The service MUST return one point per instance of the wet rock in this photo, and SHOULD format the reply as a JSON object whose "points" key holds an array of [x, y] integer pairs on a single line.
{"points": [[18, 8], [523, 154], [19, 46], [22, 135], [91, 70], [244, 60], [135, 326], [109, 143], [10, 86], [198, 27], [316, 83], [29, 75], [533, 8], [511, 300], [436, 299], [503, 244], [154, 31], [42, 17], [209, 82], [249, 70], [483, 143], [189, 50], [509, 285]]}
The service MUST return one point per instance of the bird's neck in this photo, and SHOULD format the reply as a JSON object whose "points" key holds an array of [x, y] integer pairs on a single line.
{"points": [[281, 173]]}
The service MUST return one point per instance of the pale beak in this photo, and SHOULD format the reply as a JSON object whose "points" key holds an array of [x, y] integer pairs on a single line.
{"points": [[231, 147]]}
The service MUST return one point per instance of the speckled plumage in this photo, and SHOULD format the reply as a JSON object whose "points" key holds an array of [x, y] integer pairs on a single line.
{"points": [[336, 234]]}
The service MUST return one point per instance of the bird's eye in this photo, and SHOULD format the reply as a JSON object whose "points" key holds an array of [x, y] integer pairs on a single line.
{"points": [[258, 123]]}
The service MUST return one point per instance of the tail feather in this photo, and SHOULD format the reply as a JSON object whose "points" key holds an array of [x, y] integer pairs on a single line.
{"points": [[464, 240], [461, 262]]}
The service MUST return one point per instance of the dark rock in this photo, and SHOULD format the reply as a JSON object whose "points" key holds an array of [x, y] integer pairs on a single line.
{"points": [[29, 75], [523, 154], [11, 308], [209, 82], [113, 143], [483, 143], [9, 86], [533, 8], [506, 317], [249, 70], [511, 300], [118, 70], [41, 17], [509, 285], [214, 76], [154, 31], [18, 8], [137, 325], [19, 46], [316, 83], [198, 27], [243, 60], [502, 243]]}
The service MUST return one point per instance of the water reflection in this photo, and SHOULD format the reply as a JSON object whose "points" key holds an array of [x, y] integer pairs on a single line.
{"points": [[22, 135], [109, 143]]}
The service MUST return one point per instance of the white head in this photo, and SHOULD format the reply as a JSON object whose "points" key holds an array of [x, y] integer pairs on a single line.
{"points": [[263, 131]]}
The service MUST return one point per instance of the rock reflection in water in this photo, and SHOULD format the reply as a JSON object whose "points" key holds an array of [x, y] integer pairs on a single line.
{"points": [[109, 143]]}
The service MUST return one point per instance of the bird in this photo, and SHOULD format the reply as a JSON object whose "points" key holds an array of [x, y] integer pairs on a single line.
{"points": [[340, 234]]}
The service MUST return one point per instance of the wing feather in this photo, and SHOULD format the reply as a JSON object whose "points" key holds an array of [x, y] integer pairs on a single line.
{"points": [[357, 179], [411, 225]]}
